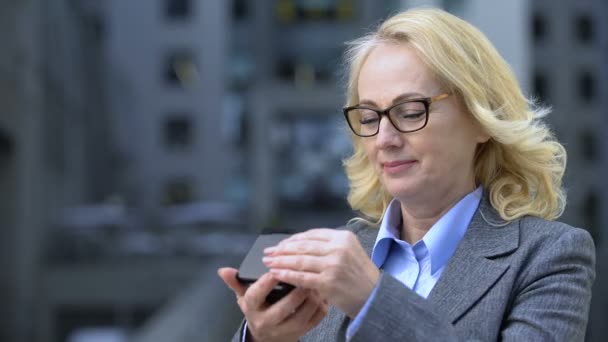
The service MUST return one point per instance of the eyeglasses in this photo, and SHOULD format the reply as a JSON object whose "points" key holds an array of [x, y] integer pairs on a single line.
{"points": [[406, 116]]}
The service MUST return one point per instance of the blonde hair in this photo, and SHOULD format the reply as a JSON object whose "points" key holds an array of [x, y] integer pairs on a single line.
{"points": [[522, 164]]}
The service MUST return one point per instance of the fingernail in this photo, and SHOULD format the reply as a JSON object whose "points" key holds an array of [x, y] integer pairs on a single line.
{"points": [[269, 250], [267, 260]]}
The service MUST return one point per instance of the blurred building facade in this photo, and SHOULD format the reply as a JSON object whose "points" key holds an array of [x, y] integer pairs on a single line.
{"points": [[54, 141], [166, 86], [154, 106], [570, 50], [569, 74]]}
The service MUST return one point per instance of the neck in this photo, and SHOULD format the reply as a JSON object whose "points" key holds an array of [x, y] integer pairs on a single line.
{"points": [[418, 216]]}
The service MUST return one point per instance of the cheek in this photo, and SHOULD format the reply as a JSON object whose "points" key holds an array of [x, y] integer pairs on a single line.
{"points": [[368, 148], [456, 152], [372, 156], [444, 149]]}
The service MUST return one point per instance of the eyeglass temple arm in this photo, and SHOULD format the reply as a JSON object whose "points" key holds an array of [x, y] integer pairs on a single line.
{"points": [[439, 97]]}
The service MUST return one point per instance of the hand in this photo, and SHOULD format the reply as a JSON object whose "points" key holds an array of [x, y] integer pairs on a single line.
{"points": [[286, 320], [332, 262]]}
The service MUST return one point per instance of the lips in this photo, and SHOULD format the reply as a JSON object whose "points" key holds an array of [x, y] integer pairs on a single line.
{"points": [[397, 166]]}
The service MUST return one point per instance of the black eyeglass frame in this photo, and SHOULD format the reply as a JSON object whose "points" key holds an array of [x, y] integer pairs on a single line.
{"points": [[425, 100]]}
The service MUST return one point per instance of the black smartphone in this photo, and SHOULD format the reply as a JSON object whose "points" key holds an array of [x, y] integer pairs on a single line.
{"points": [[252, 267]]}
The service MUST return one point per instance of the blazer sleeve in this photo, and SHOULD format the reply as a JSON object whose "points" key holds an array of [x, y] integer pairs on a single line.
{"points": [[551, 301]]}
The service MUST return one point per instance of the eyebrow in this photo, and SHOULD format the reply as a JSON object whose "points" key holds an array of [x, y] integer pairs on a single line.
{"points": [[402, 97]]}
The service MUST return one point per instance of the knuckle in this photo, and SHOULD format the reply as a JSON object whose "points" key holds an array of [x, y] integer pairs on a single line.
{"points": [[302, 295], [338, 250], [297, 263], [347, 236], [341, 253], [328, 281], [242, 305], [333, 263], [301, 248], [261, 324]]}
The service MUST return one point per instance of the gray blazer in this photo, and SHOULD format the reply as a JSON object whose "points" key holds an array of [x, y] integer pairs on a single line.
{"points": [[528, 280]]}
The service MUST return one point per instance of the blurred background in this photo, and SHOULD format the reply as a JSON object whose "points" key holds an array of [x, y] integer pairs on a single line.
{"points": [[145, 143]]}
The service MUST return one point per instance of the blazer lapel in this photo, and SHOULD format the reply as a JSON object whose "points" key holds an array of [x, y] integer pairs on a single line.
{"points": [[471, 272]]}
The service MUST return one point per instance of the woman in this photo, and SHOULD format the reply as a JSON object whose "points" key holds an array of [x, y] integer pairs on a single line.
{"points": [[463, 179]]}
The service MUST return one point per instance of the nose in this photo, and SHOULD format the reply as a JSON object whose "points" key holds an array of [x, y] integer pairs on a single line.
{"points": [[388, 135]]}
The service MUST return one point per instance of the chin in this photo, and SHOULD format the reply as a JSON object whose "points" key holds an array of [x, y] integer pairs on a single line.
{"points": [[401, 190]]}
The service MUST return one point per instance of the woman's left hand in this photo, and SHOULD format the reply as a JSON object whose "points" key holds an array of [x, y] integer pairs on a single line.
{"points": [[333, 262]]}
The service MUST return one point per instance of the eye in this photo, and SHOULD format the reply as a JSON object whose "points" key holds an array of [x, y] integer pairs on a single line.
{"points": [[411, 116], [409, 111], [367, 117]]}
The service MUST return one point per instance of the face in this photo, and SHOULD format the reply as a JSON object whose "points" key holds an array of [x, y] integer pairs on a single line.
{"points": [[433, 163]]}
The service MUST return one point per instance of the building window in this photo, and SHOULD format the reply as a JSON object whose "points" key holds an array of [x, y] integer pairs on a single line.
{"points": [[588, 146], [240, 9], [180, 69], [178, 9], [590, 213], [583, 26], [540, 87], [586, 86], [6, 146], [178, 191], [539, 27], [289, 11], [97, 27], [178, 132]]}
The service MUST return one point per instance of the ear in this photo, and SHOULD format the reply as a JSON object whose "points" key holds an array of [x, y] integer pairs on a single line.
{"points": [[482, 137]]}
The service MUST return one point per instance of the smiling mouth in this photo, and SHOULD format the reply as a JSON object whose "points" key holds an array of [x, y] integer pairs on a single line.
{"points": [[398, 166]]}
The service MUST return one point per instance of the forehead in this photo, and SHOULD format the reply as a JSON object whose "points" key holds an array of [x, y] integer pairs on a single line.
{"points": [[391, 70]]}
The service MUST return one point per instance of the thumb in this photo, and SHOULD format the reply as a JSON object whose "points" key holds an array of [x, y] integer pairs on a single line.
{"points": [[228, 275]]}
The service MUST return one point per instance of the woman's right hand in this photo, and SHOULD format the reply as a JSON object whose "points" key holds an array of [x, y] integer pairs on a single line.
{"points": [[286, 320]]}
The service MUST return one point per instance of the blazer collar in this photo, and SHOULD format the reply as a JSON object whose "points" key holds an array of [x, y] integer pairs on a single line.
{"points": [[488, 235], [474, 267], [471, 270]]}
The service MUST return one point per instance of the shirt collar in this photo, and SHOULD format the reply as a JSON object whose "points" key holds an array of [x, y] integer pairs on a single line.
{"points": [[390, 229], [445, 235], [441, 240]]}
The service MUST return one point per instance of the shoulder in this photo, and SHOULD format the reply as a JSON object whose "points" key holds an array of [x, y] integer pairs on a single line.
{"points": [[551, 247], [538, 231], [360, 227]]}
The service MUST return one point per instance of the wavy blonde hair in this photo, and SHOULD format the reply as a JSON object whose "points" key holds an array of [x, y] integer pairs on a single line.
{"points": [[522, 164]]}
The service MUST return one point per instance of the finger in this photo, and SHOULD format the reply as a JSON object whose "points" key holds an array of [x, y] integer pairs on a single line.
{"points": [[315, 294], [305, 312], [295, 262], [320, 234], [302, 315], [228, 275], [318, 315], [299, 247], [307, 280], [255, 296], [288, 304]]}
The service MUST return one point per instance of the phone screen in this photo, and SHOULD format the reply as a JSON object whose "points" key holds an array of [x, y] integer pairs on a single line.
{"points": [[252, 267]]}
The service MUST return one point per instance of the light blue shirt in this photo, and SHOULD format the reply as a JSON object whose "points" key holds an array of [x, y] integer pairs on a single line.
{"points": [[419, 266]]}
